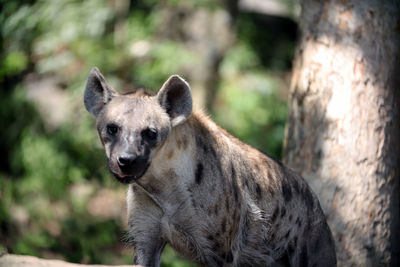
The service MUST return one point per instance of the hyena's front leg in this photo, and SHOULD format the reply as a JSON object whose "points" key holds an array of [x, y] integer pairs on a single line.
{"points": [[145, 229], [147, 249]]}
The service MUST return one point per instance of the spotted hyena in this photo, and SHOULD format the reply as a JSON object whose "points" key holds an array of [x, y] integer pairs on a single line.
{"points": [[192, 185]]}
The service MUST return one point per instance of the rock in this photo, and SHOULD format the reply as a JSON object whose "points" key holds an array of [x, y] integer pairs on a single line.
{"points": [[9, 260]]}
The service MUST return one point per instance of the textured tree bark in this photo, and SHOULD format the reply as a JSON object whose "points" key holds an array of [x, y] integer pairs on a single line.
{"points": [[343, 128]]}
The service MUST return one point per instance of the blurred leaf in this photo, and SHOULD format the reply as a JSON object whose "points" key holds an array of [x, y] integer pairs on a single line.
{"points": [[13, 63], [42, 167], [249, 107], [171, 259]]}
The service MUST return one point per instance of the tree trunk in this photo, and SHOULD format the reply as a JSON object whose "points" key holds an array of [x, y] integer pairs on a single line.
{"points": [[343, 128]]}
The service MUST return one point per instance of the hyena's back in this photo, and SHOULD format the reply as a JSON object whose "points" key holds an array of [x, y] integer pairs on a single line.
{"points": [[259, 211]]}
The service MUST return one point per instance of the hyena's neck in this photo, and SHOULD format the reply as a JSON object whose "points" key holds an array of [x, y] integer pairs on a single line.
{"points": [[187, 142], [199, 148], [200, 134]]}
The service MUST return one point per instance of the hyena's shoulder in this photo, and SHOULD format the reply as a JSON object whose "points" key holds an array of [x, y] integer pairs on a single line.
{"points": [[277, 203], [256, 170]]}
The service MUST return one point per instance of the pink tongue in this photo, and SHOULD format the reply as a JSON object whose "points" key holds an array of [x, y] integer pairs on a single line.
{"points": [[124, 175]]}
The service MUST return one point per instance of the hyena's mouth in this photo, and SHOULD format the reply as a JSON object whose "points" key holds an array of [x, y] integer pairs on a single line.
{"points": [[127, 178]]}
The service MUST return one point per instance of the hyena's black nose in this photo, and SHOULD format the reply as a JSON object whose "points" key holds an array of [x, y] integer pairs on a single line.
{"points": [[126, 161]]}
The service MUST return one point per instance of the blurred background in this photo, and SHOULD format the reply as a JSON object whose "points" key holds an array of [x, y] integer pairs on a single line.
{"points": [[57, 198]]}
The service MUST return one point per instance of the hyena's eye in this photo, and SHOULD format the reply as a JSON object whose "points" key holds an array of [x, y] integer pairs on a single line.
{"points": [[112, 129], [150, 134]]}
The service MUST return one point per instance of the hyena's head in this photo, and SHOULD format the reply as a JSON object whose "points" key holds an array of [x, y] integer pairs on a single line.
{"points": [[133, 127]]}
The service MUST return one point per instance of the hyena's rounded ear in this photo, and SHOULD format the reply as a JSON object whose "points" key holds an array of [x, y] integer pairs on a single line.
{"points": [[175, 97], [97, 93]]}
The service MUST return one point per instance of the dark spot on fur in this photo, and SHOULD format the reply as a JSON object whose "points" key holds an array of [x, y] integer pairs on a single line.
{"points": [[133, 243], [135, 260], [298, 221], [272, 238], [199, 142], [216, 208], [219, 169], [308, 198], [234, 214], [290, 217], [210, 237], [258, 191], [227, 204], [209, 210], [303, 258], [284, 260], [212, 151], [232, 229], [218, 261], [205, 148], [233, 171], [275, 214], [203, 131], [184, 142], [199, 173], [295, 184], [291, 248], [194, 203], [283, 212], [223, 225], [179, 143], [308, 227], [246, 183], [209, 149], [216, 246], [234, 183], [286, 191], [229, 257], [287, 234], [223, 255], [152, 189]]}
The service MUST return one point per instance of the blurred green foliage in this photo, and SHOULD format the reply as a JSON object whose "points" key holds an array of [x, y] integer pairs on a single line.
{"points": [[52, 175], [248, 103]]}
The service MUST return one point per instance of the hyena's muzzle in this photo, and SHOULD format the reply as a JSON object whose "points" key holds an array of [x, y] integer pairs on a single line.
{"points": [[129, 160]]}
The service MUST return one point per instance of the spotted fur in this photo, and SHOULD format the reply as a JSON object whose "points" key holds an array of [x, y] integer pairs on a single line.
{"points": [[216, 200]]}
